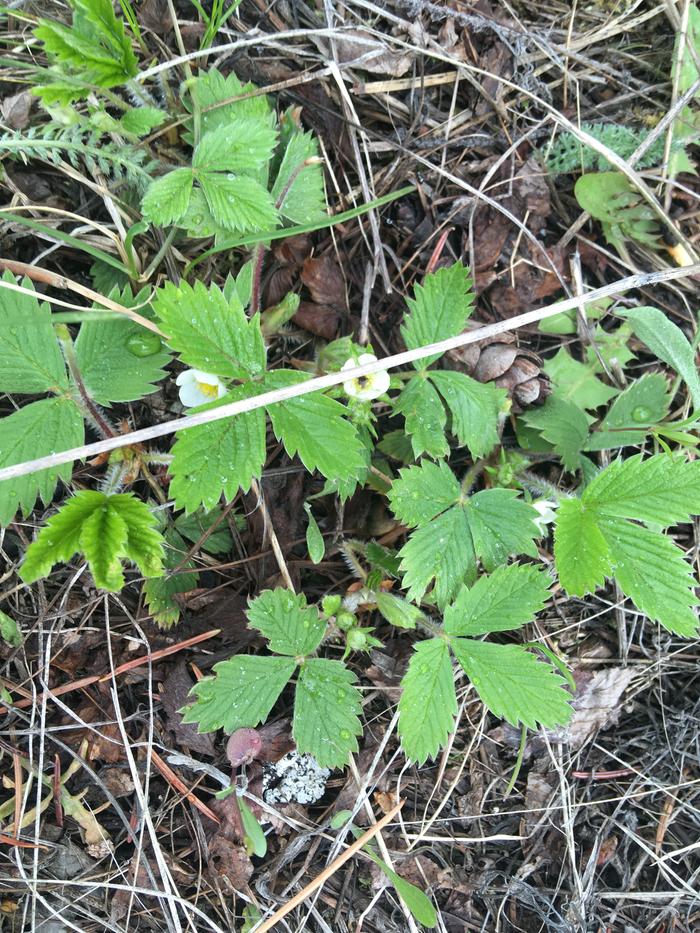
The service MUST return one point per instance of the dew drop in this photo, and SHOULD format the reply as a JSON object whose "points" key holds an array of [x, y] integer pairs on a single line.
{"points": [[641, 414], [144, 344]]}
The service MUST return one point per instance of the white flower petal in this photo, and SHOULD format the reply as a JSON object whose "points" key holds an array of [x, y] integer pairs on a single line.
{"points": [[365, 388], [198, 388], [547, 513]]}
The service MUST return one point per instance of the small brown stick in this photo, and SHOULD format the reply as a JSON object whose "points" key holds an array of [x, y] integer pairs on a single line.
{"points": [[60, 281], [58, 806], [329, 870], [181, 787], [161, 653], [99, 678]]}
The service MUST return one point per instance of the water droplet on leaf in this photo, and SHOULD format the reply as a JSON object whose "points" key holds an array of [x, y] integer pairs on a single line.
{"points": [[144, 344]]}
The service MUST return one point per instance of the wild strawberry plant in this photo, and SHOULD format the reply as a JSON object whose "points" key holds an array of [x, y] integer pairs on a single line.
{"points": [[472, 566]]}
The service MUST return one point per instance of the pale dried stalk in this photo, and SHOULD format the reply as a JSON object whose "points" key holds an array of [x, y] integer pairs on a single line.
{"points": [[333, 379], [330, 870]]}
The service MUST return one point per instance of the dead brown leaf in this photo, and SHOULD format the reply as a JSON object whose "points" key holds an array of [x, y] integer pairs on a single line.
{"points": [[597, 703], [319, 320], [15, 109], [324, 280], [230, 860], [359, 49], [154, 15], [174, 695]]}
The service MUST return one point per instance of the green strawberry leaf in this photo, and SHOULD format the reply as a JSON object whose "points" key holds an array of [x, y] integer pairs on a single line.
{"points": [[326, 708], [428, 703]]}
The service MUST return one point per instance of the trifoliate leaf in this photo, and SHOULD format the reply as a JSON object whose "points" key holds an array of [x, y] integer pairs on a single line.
{"points": [[314, 539], [425, 417], [241, 693], [563, 425], [300, 186], [661, 489], [166, 198], [37, 430], [210, 332], [513, 684], [491, 525], [219, 458], [505, 599], [242, 145], [576, 382], [501, 525], [643, 403], [650, 569], [422, 492], [290, 625], [30, 357], [119, 361], [238, 202], [667, 342], [315, 427], [439, 309], [105, 529], [326, 708], [474, 407], [581, 552], [595, 537], [398, 611], [428, 703]]}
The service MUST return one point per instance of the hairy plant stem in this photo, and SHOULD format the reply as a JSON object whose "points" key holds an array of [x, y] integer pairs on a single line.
{"points": [[471, 476], [114, 478], [258, 260], [89, 409]]}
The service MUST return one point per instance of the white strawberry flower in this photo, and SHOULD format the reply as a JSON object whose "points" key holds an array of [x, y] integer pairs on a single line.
{"points": [[547, 513], [366, 387], [198, 388]]}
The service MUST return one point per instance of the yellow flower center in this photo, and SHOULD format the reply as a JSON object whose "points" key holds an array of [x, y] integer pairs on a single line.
{"points": [[209, 390]]}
